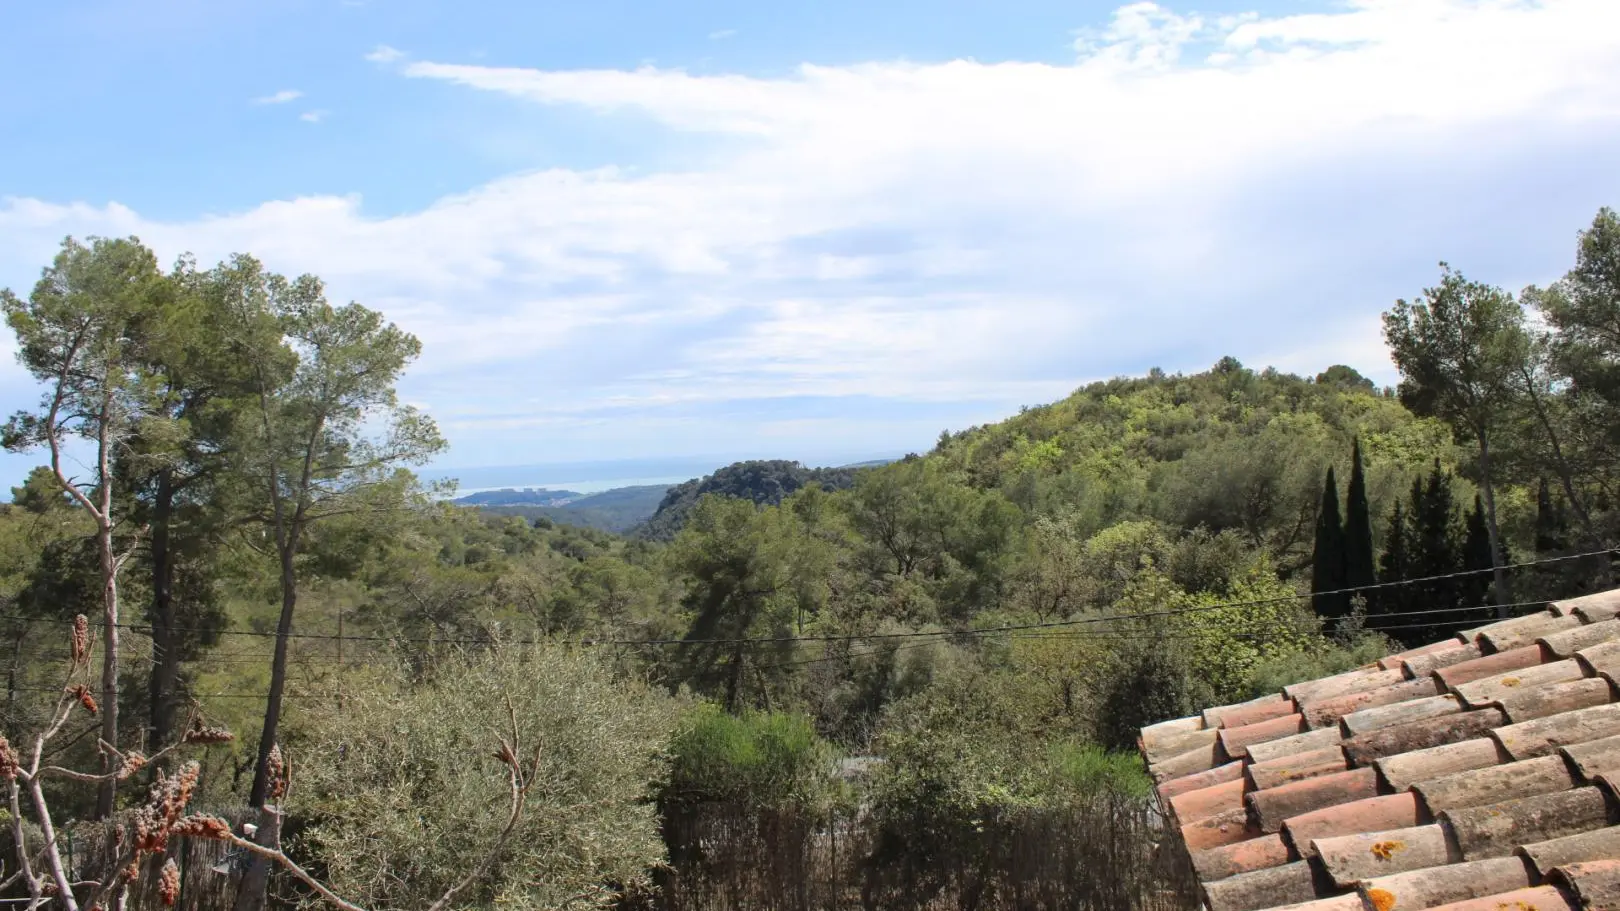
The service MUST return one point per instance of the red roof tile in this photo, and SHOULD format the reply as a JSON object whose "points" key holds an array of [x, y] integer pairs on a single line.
{"points": [[1299, 743], [1232, 771], [1437, 885], [1565, 643], [1403, 770], [1489, 666], [1235, 741], [1349, 859], [1598, 844], [1472, 771], [1298, 767], [1538, 898], [1595, 883], [1522, 631], [1225, 829], [1487, 690], [1528, 778], [1421, 735], [1211, 801], [1556, 699], [1254, 714], [1271, 807], [1545, 735], [1400, 713], [1498, 829], [1373, 814], [1241, 857], [1213, 717], [1323, 712], [1289, 883]]}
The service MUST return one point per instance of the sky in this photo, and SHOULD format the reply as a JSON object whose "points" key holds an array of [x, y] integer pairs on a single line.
{"points": [[814, 230]]}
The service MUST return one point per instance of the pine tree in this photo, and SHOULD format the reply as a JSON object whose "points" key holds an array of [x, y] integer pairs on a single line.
{"points": [[1327, 567], [1436, 550], [1358, 544]]}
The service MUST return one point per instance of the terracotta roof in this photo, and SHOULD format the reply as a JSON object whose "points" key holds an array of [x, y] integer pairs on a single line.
{"points": [[1474, 774]]}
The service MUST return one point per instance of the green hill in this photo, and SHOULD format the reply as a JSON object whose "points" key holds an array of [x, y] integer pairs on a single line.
{"points": [[763, 482], [617, 510]]}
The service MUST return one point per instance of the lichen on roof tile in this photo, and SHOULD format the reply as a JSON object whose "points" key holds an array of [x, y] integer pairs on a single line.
{"points": [[1232, 771], [1369, 678], [1556, 699], [1240, 857], [1372, 814], [1526, 778], [1442, 883], [1596, 883], [1487, 690], [1289, 746], [1489, 666], [1598, 844], [1298, 767], [1566, 643], [1403, 770], [1385, 716], [1271, 807], [1212, 716], [1591, 608], [1535, 898], [1542, 736], [1323, 712], [1521, 631], [1480, 764], [1235, 741], [1363, 749], [1349, 859], [1594, 757], [1498, 829], [1287, 884]]}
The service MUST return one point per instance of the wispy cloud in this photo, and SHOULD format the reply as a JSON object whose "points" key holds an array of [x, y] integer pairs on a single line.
{"points": [[883, 249], [382, 53], [281, 97], [722, 34], [315, 116]]}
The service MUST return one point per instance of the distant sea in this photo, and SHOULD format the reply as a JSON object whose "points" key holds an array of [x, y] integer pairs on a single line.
{"points": [[596, 486], [593, 477]]}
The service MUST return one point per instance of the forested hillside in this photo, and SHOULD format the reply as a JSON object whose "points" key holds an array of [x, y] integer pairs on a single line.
{"points": [[602, 715], [765, 483]]}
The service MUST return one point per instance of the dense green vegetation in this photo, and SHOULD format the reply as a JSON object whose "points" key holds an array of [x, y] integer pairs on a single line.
{"points": [[984, 626]]}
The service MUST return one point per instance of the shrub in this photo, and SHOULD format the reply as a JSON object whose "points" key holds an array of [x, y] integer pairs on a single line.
{"points": [[407, 796], [760, 758]]}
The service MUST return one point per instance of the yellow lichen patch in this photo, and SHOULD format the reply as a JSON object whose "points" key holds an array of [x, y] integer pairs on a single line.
{"points": [[1382, 899], [1510, 681], [1384, 850], [1515, 906]]}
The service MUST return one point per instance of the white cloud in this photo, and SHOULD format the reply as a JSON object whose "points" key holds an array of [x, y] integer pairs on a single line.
{"points": [[979, 234], [281, 97], [722, 34], [315, 116], [382, 53]]}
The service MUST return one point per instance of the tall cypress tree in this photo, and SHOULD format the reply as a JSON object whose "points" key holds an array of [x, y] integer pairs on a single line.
{"points": [[1327, 564], [1552, 525], [1394, 566], [1435, 551], [1476, 555], [1358, 544]]}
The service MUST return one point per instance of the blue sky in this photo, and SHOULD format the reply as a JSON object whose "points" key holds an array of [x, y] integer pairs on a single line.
{"points": [[815, 230]]}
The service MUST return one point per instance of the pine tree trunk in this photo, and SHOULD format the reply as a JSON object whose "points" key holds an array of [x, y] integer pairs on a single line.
{"points": [[108, 793], [278, 681], [1499, 592]]}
